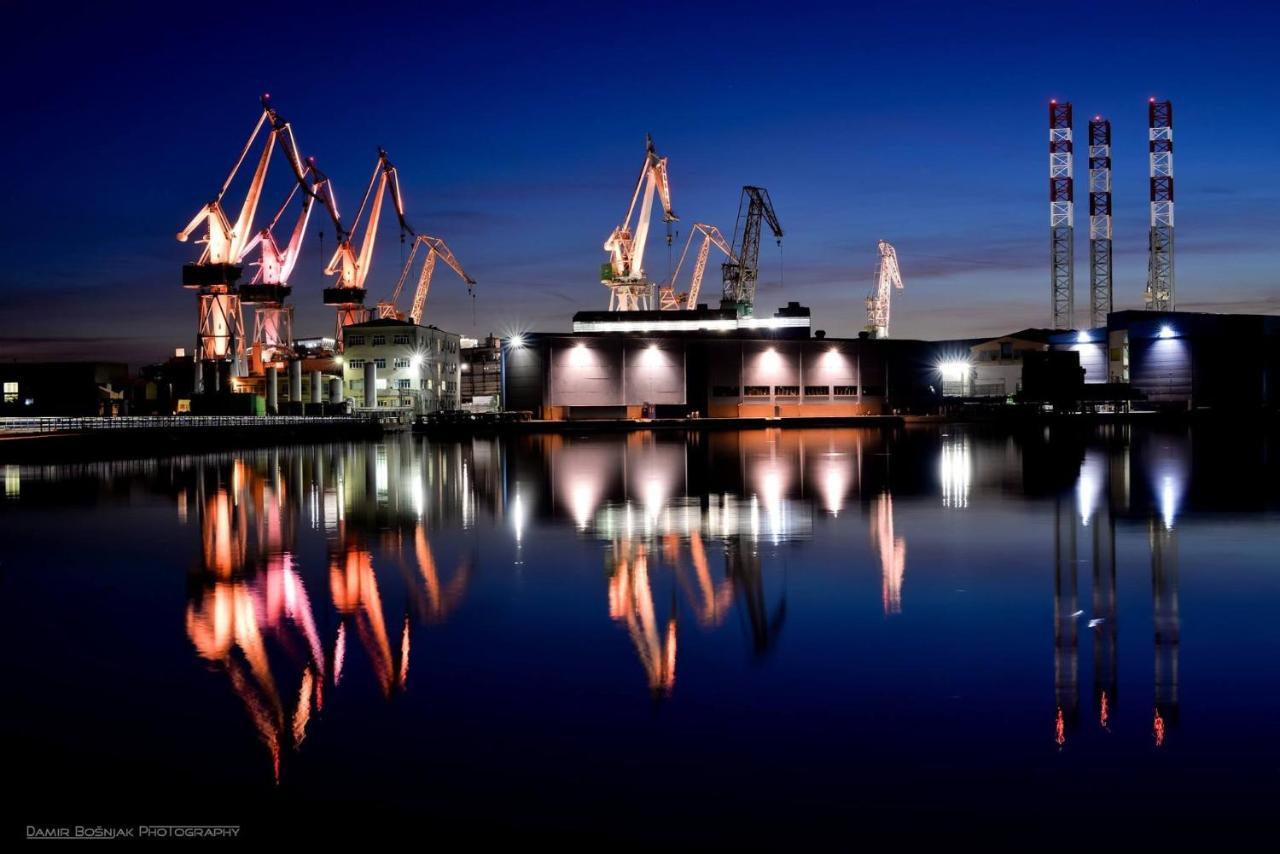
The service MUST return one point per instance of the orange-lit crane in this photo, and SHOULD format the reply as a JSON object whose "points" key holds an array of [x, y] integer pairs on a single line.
{"points": [[266, 292], [350, 265], [888, 278], [623, 273], [436, 249], [220, 331], [667, 296]]}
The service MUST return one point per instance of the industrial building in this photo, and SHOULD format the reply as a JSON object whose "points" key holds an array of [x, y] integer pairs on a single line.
{"points": [[481, 365], [399, 364], [1159, 359], [713, 363]]}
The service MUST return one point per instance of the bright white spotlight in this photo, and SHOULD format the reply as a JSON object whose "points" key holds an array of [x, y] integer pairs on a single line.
{"points": [[516, 341], [415, 361], [954, 370], [1082, 337], [1166, 331]]}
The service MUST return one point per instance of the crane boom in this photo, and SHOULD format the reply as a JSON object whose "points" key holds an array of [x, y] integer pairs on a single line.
{"points": [[740, 276], [888, 278], [669, 299], [352, 267], [624, 271], [436, 249]]}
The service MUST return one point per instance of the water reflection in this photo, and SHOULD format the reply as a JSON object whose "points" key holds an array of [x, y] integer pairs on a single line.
{"points": [[697, 535]]}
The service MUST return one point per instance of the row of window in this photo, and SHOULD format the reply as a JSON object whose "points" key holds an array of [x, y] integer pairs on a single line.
{"points": [[442, 344], [789, 391]]}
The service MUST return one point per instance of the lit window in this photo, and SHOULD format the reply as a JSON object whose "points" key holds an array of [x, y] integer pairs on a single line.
{"points": [[381, 363], [379, 340], [404, 384], [402, 362], [356, 364], [10, 392]]}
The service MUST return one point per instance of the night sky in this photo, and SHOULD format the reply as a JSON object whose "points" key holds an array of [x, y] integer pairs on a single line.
{"points": [[519, 131]]}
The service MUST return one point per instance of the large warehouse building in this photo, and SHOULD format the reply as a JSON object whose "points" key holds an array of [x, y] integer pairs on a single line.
{"points": [[718, 365]]}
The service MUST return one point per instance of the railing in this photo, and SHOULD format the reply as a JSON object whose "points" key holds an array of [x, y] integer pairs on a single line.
{"points": [[156, 422]]}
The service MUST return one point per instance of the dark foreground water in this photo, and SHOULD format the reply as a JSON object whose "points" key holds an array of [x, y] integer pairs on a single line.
{"points": [[733, 638]]}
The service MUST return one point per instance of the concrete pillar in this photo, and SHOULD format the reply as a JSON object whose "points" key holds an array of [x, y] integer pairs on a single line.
{"points": [[273, 405], [295, 381], [317, 388], [370, 383], [335, 390], [197, 382]]}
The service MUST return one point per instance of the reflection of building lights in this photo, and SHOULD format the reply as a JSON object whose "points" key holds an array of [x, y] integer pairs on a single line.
{"points": [[955, 471], [518, 518], [835, 472], [1168, 501], [1089, 485], [582, 502], [1166, 331]]}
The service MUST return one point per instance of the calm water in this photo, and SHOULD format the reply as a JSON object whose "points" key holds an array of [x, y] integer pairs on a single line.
{"points": [[719, 638]]}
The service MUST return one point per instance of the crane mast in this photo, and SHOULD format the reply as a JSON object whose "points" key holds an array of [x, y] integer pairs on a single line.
{"points": [[888, 278], [668, 298], [623, 273], [349, 264], [436, 250], [740, 275], [215, 275]]}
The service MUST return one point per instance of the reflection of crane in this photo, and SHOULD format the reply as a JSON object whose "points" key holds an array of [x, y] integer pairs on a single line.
{"points": [[220, 330], [631, 603], [355, 594], [893, 554], [667, 296], [888, 277], [741, 272], [436, 248], [623, 273], [352, 266]]}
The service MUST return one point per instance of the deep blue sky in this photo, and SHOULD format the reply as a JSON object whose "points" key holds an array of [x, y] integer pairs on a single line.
{"points": [[518, 132]]}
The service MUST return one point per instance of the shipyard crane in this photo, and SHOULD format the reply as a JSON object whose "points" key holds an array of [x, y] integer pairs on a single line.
{"points": [[220, 328], [349, 264], [888, 278], [436, 249], [740, 275], [623, 273], [266, 292], [667, 297]]}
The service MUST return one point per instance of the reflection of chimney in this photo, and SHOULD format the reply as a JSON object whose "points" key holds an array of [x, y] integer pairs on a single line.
{"points": [[1065, 640], [1104, 609], [1164, 595]]}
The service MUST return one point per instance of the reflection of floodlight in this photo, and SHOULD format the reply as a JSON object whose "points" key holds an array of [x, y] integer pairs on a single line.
{"points": [[1082, 337], [1166, 331], [515, 342]]}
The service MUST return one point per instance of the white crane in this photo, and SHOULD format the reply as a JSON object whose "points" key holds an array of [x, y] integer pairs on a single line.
{"points": [[623, 273], [667, 296], [888, 278], [436, 249]]}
